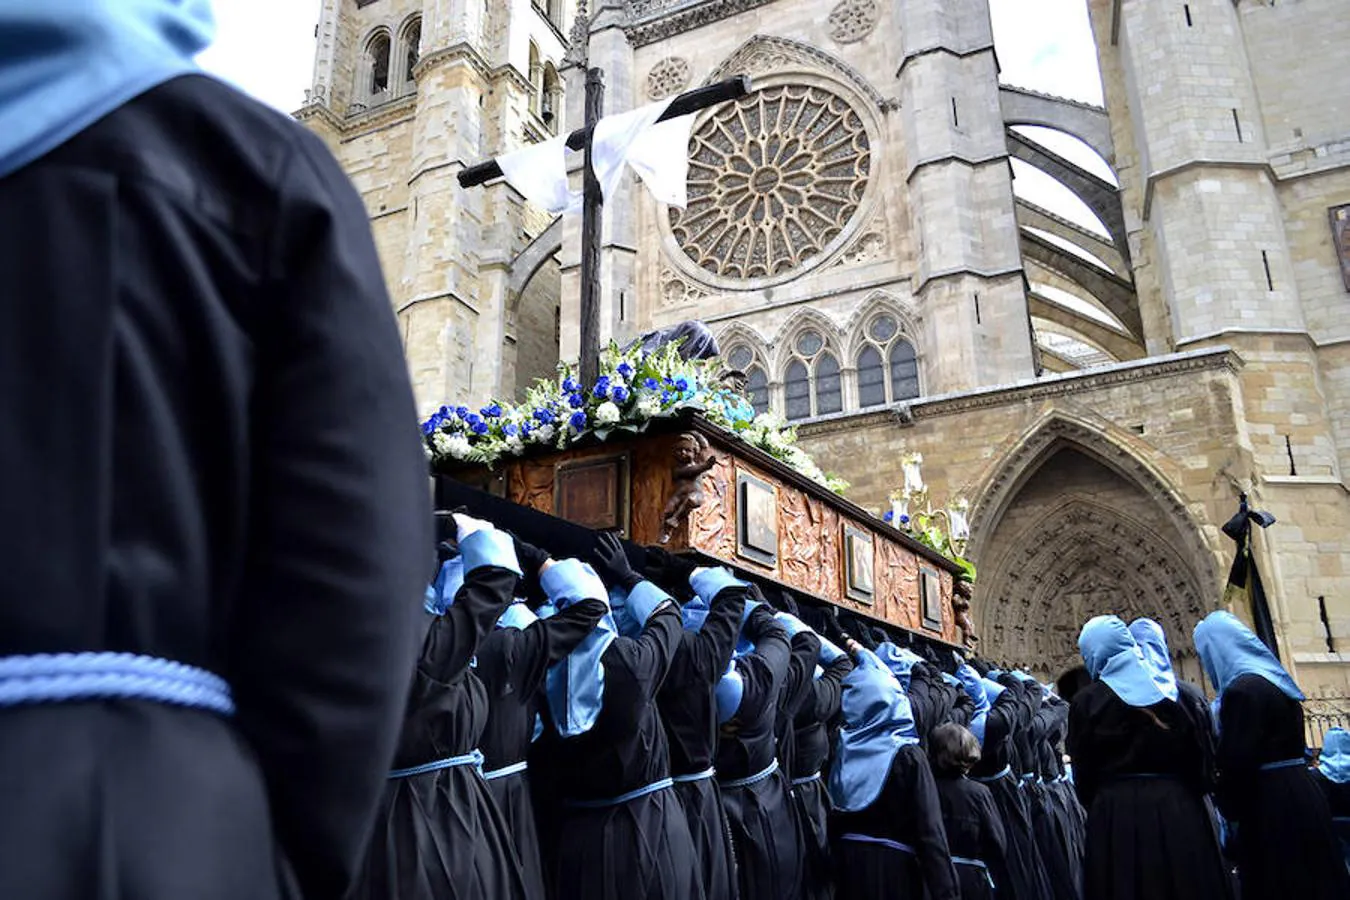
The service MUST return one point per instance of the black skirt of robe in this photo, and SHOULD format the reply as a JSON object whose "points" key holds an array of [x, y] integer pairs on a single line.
{"points": [[1140, 774], [816, 720], [1027, 879], [440, 835], [639, 848], [907, 811], [1285, 844], [204, 300], [764, 839], [1338, 800], [812, 802], [711, 834], [974, 832]]}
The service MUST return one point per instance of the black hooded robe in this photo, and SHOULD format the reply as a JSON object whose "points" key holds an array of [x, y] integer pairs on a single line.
{"points": [[1338, 800], [906, 813], [1141, 775], [440, 834], [763, 826], [1285, 844], [1055, 835], [641, 847], [974, 836], [1027, 879], [206, 458], [815, 721], [512, 663], [689, 714]]}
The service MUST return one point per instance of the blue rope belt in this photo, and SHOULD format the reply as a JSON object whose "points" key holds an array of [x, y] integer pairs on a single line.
{"points": [[975, 864], [659, 785], [506, 770], [697, 776], [798, 782], [988, 779], [472, 758], [67, 677], [885, 842], [753, 779], [1285, 764]]}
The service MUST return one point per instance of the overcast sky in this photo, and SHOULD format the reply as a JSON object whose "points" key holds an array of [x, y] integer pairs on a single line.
{"points": [[266, 47]]}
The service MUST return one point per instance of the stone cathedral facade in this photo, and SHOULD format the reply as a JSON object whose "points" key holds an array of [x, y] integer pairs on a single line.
{"points": [[1099, 396]]}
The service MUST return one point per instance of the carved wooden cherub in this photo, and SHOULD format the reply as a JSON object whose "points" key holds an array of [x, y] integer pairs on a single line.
{"points": [[961, 607], [692, 458]]}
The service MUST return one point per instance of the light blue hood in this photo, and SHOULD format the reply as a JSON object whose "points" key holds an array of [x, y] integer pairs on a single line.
{"points": [[1228, 650], [877, 722], [65, 64], [1111, 655]]}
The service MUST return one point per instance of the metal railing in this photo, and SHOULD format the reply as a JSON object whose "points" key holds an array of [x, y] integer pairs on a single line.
{"points": [[1321, 714]]}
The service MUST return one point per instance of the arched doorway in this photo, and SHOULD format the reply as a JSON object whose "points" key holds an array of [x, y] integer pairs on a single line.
{"points": [[1078, 528]]}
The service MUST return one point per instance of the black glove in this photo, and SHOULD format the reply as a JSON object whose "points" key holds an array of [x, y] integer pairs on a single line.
{"points": [[879, 637], [670, 572], [831, 628], [611, 561], [531, 558]]}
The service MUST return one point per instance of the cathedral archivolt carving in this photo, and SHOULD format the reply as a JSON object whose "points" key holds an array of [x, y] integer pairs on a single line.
{"points": [[669, 76], [773, 180], [853, 20]]}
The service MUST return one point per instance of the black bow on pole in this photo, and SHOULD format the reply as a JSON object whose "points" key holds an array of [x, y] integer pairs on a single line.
{"points": [[1244, 580]]}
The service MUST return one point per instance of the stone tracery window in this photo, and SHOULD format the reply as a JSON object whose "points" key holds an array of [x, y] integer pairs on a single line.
{"points": [[888, 367], [377, 56], [774, 179], [412, 51], [742, 359], [812, 382]]}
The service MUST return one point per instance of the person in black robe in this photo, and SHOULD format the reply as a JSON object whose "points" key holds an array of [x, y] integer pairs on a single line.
{"points": [[621, 831], [974, 827], [1065, 814], [1139, 767], [689, 714], [1285, 844], [889, 840], [512, 662], [816, 720], [754, 789], [1050, 823], [1027, 879], [440, 834], [209, 480], [1333, 777]]}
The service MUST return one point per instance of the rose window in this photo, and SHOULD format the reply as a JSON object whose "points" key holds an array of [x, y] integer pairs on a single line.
{"points": [[773, 180]]}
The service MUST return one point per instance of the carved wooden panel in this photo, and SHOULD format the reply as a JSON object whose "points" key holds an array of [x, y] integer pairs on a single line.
{"points": [[651, 486], [593, 492], [530, 483], [897, 582]]}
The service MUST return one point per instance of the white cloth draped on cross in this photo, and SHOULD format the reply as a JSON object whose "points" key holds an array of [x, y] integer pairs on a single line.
{"points": [[657, 151]]}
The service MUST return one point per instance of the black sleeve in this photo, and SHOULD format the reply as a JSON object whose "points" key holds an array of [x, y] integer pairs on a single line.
{"points": [[1086, 771], [829, 688], [930, 835], [1241, 731], [963, 708], [453, 638], [764, 671], [325, 634], [711, 649], [547, 641], [805, 650], [993, 841], [648, 656], [1202, 720]]}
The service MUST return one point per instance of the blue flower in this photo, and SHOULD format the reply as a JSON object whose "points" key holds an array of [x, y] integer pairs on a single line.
{"points": [[492, 411], [619, 394], [666, 397], [904, 520], [601, 387], [545, 416], [650, 384], [462, 412], [625, 370], [510, 429], [578, 420], [473, 420], [890, 515], [430, 425], [443, 412], [682, 385], [526, 430], [480, 427], [576, 401], [570, 385]]}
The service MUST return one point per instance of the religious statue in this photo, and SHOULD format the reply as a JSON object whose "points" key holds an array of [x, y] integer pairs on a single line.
{"points": [[961, 607], [695, 339], [692, 458]]}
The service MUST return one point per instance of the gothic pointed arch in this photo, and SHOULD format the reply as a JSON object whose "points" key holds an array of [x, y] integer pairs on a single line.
{"points": [[879, 303], [765, 54], [1073, 521], [810, 366], [744, 350]]}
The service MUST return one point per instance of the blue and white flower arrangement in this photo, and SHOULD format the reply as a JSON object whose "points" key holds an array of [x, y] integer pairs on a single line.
{"points": [[632, 391]]}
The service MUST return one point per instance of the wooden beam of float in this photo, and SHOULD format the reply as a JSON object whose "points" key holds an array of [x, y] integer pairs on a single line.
{"points": [[692, 488]]}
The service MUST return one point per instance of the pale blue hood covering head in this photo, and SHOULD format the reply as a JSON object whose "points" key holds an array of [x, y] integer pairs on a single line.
{"points": [[877, 722], [1111, 655], [1228, 650], [899, 661], [728, 693], [442, 592], [973, 685], [1152, 641], [1334, 761], [517, 616], [575, 685], [65, 64]]}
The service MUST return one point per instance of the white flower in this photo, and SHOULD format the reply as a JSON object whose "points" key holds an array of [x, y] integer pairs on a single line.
{"points": [[648, 405], [514, 444], [607, 413], [544, 433], [457, 445]]}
